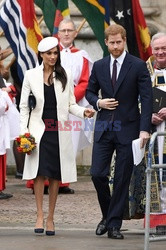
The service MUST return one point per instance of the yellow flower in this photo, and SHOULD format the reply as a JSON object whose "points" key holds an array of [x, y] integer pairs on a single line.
{"points": [[25, 143]]}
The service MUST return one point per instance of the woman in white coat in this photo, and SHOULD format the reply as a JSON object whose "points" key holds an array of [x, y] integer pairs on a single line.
{"points": [[53, 157]]}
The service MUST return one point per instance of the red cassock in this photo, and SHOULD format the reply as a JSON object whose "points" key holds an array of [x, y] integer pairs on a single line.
{"points": [[2, 172]]}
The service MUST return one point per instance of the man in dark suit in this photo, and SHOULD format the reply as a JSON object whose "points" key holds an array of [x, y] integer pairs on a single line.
{"points": [[122, 81]]}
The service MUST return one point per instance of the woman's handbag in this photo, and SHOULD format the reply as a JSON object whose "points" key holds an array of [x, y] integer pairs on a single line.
{"points": [[31, 101], [31, 104]]}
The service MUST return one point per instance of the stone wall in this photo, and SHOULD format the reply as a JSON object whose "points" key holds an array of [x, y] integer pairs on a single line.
{"points": [[155, 12]]}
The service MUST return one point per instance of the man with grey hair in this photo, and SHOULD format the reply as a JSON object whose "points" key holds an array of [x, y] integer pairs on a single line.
{"points": [[157, 68]]}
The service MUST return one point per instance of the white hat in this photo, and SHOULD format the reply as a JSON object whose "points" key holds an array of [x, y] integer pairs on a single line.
{"points": [[47, 43]]}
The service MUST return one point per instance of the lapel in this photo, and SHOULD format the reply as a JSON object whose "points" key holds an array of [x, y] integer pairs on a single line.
{"points": [[39, 86], [107, 75], [124, 69]]}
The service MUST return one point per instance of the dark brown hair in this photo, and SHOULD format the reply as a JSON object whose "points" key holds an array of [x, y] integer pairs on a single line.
{"points": [[60, 73]]}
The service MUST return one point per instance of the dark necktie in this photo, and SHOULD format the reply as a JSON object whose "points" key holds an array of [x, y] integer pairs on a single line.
{"points": [[114, 73]]}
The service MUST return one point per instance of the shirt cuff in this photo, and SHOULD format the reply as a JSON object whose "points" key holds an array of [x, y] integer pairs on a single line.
{"points": [[97, 104]]}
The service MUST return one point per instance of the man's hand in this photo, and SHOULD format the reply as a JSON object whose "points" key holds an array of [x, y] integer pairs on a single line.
{"points": [[108, 103], [89, 112], [156, 119], [162, 113], [144, 138]]}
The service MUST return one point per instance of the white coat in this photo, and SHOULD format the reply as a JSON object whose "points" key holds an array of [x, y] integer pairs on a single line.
{"points": [[33, 81]]}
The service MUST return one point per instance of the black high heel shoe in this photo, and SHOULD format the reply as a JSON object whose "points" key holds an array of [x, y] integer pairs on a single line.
{"points": [[39, 230], [49, 232]]}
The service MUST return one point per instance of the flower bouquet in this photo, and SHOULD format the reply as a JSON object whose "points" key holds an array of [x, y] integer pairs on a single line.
{"points": [[25, 143]]}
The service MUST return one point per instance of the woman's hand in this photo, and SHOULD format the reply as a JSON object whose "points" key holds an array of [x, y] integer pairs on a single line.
{"points": [[89, 112]]}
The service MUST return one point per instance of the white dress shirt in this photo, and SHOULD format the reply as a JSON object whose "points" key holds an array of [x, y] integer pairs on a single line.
{"points": [[120, 60]]}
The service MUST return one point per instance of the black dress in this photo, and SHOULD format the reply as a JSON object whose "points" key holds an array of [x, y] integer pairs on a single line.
{"points": [[49, 160]]}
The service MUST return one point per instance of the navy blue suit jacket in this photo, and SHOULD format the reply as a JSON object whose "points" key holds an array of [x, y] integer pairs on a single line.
{"points": [[133, 84]]}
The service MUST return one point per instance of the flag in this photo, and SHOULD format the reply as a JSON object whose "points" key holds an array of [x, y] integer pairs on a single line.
{"points": [[18, 21], [97, 14], [48, 8], [128, 13], [53, 11], [62, 11], [141, 31]]}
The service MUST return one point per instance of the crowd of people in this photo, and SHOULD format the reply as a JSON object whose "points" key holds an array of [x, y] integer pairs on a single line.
{"points": [[68, 88]]}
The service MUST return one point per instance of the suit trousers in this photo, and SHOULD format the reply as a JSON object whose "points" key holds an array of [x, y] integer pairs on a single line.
{"points": [[112, 205]]}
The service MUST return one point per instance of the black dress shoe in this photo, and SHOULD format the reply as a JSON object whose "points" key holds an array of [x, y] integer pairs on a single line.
{"points": [[65, 190], [114, 233], [5, 196], [101, 228]]}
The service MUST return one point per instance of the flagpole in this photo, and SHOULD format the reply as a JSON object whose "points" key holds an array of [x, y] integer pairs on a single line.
{"points": [[40, 20], [1, 33], [81, 25]]}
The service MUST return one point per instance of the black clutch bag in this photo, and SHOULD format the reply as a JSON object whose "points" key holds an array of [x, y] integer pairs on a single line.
{"points": [[31, 101], [31, 104]]}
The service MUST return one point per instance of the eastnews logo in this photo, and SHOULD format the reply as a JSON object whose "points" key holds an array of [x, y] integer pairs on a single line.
{"points": [[86, 125]]}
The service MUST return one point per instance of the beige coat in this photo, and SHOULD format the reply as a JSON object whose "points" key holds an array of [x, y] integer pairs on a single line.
{"points": [[33, 81]]}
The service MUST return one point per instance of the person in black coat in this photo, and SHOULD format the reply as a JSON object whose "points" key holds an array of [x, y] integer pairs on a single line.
{"points": [[122, 80]]}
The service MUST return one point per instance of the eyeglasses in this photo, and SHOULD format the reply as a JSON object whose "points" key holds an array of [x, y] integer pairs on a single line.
{"points": [[66, 30]]}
